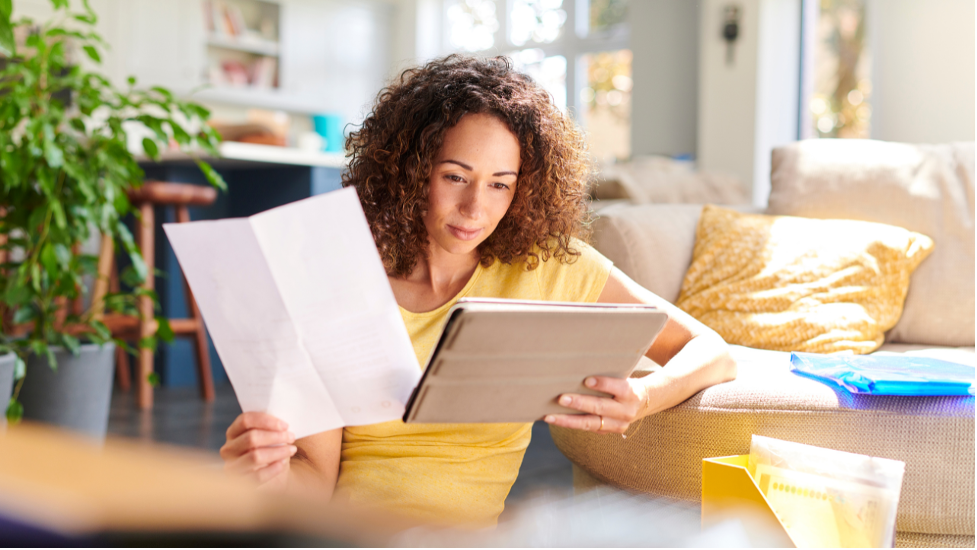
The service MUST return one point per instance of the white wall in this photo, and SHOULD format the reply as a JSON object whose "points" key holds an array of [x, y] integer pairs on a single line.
{"points": [[416, 33], [748, 107], [335, 54], [778, 81], [923, 70], [109, 26], [665, 42], [727, 93]]}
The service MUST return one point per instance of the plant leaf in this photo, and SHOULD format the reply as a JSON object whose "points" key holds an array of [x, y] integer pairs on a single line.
{"points": [[163, 92], [179, 134], [63, 254], [92, 53], [71, 343], [20, 368], [58, 212], [53, 154], [102, 330], [138, 265], [150, 147], [23, 314], [164, 331], [148, 342], [48, 259], [7, 43], [15, 411], [89, 11], [153, 379], [212, 176], [36, 277]]}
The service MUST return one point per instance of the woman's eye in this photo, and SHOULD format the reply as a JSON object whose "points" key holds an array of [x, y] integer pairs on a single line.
{"points": [[455, 178], [498, 185]]}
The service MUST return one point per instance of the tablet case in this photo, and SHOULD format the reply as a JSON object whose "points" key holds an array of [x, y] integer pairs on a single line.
{"points": [[508, 361]]}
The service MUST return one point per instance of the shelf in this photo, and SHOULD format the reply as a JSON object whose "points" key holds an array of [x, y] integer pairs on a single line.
{"points": [[234, 154], [256, 47], [280, 155], [260, 98]]}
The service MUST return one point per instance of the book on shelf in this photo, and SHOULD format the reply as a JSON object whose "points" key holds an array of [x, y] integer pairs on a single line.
{"points": [[226, 23], [263, 73]]}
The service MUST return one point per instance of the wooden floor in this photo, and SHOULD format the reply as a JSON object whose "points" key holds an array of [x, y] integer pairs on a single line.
{"points": [[180, 417]]}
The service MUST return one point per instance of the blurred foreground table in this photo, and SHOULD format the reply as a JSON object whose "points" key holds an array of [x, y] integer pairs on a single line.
{"points": [[58, 489]]}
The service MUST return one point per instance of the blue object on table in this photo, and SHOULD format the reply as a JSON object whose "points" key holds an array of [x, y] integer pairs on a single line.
{"points": [[20, 533], [330, 127], [887, 374]]}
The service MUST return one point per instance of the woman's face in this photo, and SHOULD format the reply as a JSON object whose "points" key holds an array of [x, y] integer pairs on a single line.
{"points": [[472, 183]]}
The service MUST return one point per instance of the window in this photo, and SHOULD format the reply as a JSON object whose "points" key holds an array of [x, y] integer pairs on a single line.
{"points": [[472, 24], [549, 72], [575, 49], [839, 105], [605, 15], [540, 21], [606, 103]]}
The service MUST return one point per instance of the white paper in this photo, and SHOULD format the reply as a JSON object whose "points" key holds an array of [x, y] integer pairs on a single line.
{"points": [[300, 310]]}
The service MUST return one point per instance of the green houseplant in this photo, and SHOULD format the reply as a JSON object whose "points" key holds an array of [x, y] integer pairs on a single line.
{"points": [[64, 172]]}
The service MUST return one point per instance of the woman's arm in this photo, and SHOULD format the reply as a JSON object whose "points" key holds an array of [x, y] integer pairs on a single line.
{"points": [[315, 466], [694, 357], [259, 446]]}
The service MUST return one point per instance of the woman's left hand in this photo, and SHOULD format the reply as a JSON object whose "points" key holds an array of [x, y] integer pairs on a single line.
{"points": [[604, 414]]}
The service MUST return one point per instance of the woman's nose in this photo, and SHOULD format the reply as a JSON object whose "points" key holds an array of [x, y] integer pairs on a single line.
{"points": [[472, 203]]}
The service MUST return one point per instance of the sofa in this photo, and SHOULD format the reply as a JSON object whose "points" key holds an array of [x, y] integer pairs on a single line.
{"points": [[924, 188]]}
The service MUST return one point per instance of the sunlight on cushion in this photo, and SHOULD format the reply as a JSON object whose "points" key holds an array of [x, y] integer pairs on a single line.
{"points": [[796, 284]]}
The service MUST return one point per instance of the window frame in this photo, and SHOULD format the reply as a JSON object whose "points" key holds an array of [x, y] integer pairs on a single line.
{"points": [[574, 43]]}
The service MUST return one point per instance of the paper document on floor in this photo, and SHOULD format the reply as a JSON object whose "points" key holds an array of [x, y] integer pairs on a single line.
{"points": [[299, 308]]}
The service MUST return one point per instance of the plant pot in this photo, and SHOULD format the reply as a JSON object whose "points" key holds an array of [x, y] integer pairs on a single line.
{"points": [[76, 395], [6, 381]]}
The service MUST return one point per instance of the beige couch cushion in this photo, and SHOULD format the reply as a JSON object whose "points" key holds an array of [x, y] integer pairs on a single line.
{"points": [[651, 243], [924, 188], [934, 436]]}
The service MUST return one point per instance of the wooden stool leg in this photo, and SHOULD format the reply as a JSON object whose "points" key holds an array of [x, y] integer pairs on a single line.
{"points": [[204, 375], [147, 322], [122, 369]]}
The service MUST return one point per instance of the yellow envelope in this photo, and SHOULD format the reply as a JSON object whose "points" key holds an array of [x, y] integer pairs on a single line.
{"points": [[729, 492]]}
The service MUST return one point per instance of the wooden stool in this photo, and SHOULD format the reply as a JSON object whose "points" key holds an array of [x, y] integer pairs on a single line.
{"points": [[150, 195]]}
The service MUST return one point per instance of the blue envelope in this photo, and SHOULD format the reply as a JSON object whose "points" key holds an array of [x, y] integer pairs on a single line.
{"points": [[887, 374]]}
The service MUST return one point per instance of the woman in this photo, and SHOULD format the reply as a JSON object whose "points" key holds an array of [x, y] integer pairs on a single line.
{"points": [[473, 184]]}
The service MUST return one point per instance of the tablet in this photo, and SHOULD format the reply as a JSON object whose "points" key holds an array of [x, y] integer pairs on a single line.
{"points": [[508, 361]]}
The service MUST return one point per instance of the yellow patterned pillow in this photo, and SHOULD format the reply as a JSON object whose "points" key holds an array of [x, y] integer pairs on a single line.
{"points": [[798, 284]]}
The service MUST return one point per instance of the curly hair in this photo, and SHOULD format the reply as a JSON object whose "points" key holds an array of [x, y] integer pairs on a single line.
{"points": [[392, 157]]}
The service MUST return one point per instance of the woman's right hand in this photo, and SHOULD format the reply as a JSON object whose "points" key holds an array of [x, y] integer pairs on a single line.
{"points": [[259, 446]]}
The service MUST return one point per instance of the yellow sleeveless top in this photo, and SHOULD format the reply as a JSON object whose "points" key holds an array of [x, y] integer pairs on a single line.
{"points": [[458, 473]]}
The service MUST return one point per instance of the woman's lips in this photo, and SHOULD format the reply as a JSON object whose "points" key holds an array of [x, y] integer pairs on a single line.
{"points": [[464, 234]]}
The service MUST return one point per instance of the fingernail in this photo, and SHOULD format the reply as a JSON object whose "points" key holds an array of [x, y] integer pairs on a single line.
{"points": [[282, 425], [591, 382], [290, 436], [565, 400], [292, 449], [549, 419]]}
